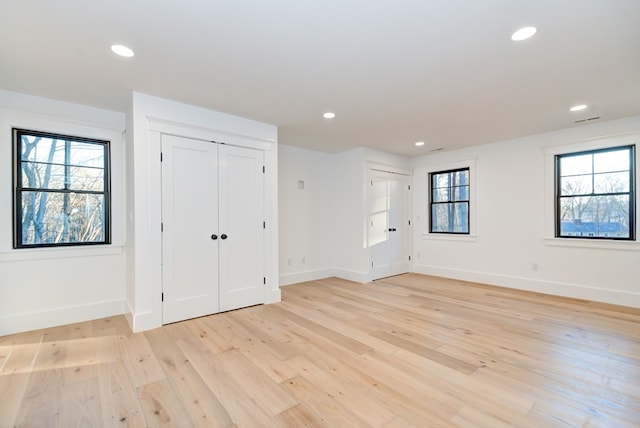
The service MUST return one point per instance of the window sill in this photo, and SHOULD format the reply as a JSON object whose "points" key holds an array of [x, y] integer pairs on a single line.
{"points": [[596, 244], [29, 254], [449, 237]]}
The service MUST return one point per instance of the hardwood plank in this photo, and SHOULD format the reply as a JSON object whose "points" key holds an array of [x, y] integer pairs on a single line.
{"points": [[201, 405], [236, 398], [139, 360], [15, 375], [329, 408], [118, 397], [161, 406], [299, 416], [425, 352]]}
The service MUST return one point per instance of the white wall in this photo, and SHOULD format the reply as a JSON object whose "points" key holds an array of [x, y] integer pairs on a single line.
{"points": [[54, 286], [512, 241], [147, 118], [304, 215], [328, 218]]}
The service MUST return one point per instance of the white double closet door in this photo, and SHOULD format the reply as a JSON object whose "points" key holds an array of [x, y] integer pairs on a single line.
{"points": [[389, 231], [213, 230]]}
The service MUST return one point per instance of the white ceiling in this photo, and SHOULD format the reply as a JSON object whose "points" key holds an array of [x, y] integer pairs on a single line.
{"points": [[394, 72]]}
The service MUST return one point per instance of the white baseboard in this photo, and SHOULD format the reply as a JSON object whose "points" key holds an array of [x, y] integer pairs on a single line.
{"points": [[60, 316], [308, 275], [351, 275], [576, 291], [273, 296]]}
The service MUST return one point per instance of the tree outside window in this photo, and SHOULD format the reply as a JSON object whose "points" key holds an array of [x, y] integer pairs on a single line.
{"points": [[61, 193]]}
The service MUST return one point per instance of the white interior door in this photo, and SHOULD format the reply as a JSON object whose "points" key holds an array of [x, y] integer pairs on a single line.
{"points": [[241, 227], [190, 222], [388, 224]]}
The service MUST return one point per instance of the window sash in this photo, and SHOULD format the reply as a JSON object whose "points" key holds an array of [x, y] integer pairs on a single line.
{"points": [[589, 190], [449, 200], [79, 188]]}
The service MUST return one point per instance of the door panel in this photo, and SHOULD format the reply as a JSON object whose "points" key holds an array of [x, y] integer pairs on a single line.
{"points": [[190, 218], [379, 220], [388, 231], [241, 219]]}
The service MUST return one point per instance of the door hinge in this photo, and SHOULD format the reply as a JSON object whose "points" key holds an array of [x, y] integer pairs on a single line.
{"points": [[161, 227], [162, 297], [264, 169], [264, 224], [371, 264], [264, 280], [409, 258], [409, 187], [409, 222], [160, 156]]}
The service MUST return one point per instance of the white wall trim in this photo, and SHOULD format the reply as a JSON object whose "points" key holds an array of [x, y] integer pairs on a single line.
{"points": [[576, 291], [60, 316], [309, 275], [351, 275], [60, 253]]}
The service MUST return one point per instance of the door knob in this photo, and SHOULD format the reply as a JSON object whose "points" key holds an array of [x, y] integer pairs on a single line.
{"points": [[223, 236], [214, 236]]}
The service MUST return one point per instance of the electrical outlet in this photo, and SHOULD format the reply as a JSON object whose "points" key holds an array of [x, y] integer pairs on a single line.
{"points": [[289, 262]]}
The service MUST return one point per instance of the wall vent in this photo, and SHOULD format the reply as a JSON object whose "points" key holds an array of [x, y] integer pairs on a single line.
{"points": [[587, 119]]}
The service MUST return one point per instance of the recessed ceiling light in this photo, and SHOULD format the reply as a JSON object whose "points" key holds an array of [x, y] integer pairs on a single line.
{"points": [[523, 34], [329, 115], [578, 107], [418, 143], [122, 51]]}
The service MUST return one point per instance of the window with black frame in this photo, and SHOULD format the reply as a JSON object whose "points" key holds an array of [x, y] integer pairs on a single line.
{"points": [[449, 201], [595, 194], [61, 190]]}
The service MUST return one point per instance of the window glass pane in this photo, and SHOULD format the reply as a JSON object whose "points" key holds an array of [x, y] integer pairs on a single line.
{"points": [[54, 218], [89, 179], [617, 160], [451, 217], [42, 149], [574, 165], [595, 216], [461, 177], [42, 176], [440, 180], [86, 154], [441, 195], [576, 185], [461, 193], [611, 183]]}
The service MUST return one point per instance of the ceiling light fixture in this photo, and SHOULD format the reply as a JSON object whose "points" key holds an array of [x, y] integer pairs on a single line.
{"points": [[418, 143], [523, 34], [578, 107], [122, 51], [329, 115]]}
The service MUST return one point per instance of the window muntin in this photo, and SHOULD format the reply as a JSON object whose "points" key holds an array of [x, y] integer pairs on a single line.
{"points": [[62, 190], [595, 194], [449, 201]]}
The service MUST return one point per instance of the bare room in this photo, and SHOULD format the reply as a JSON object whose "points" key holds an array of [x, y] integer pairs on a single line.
{"points": [[279, 213]]}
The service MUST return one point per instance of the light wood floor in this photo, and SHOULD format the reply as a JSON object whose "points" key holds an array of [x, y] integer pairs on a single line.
{"points": [[407, 351]]}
